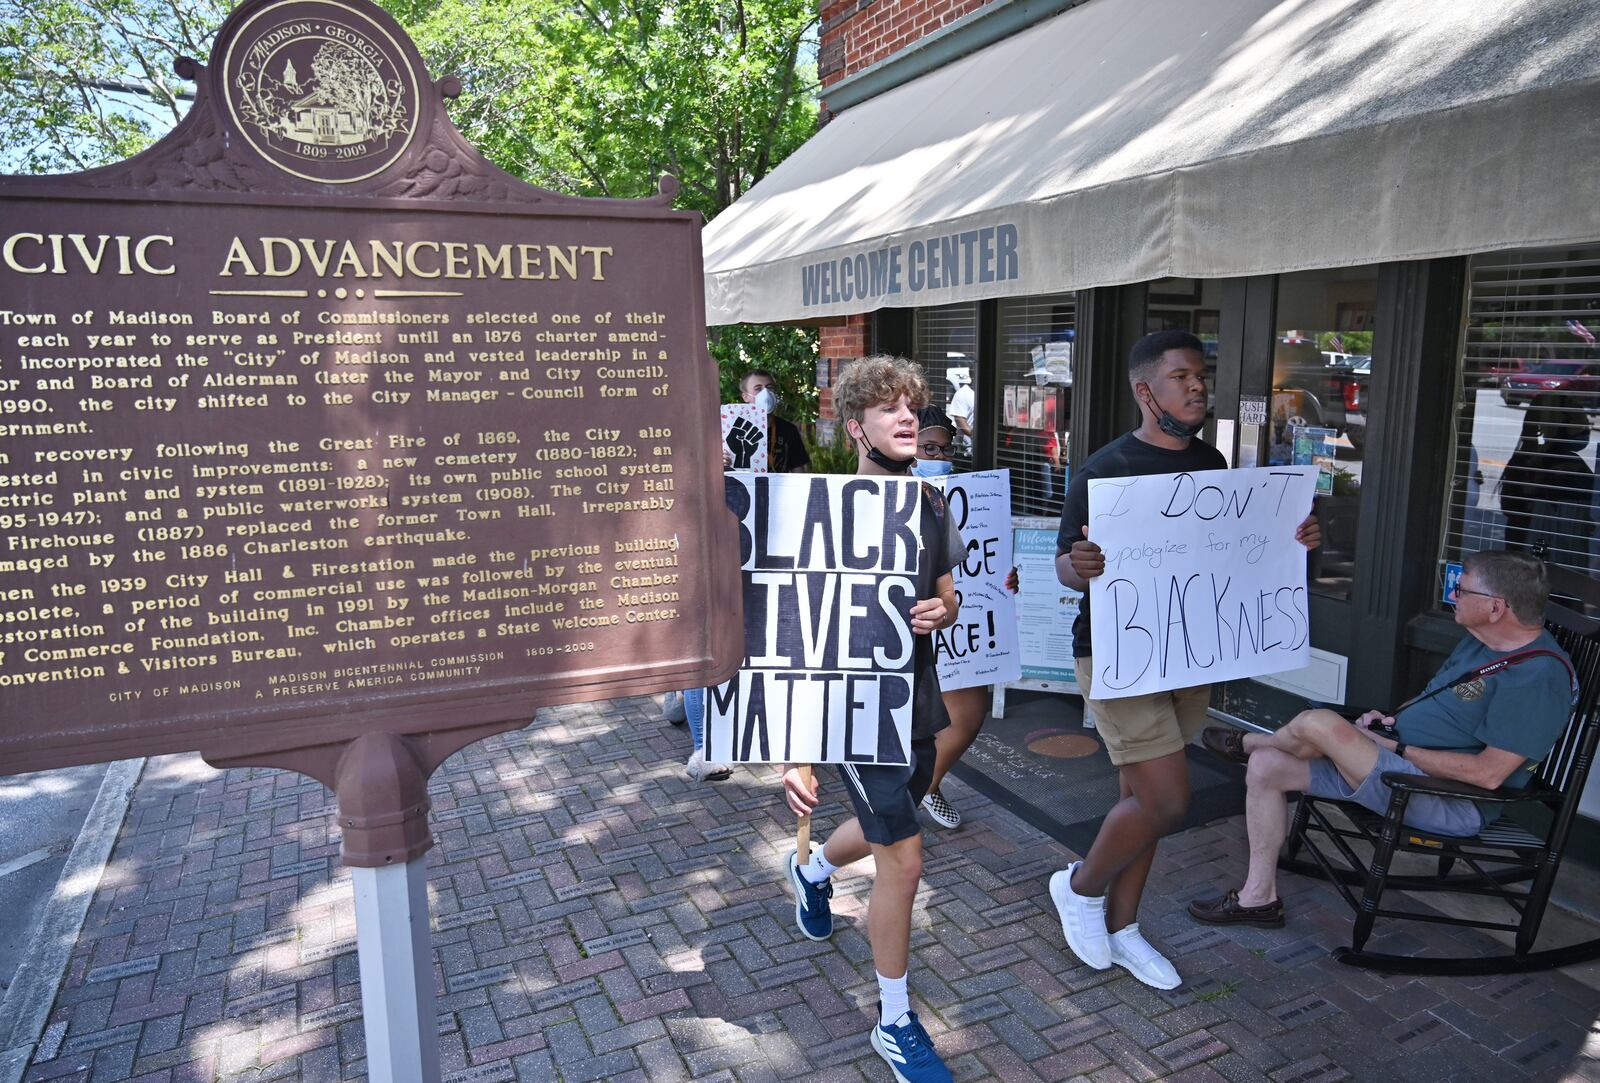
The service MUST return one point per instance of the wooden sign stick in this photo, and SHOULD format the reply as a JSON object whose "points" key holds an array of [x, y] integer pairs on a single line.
{"points": [[802, 831]]}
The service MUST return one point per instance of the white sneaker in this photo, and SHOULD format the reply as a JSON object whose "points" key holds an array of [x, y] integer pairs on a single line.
{"points": [[1083, 920], [1131, 951], [701, 771]]}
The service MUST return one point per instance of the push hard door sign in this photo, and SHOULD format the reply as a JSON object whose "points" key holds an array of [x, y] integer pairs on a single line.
{"points": [[317, 425]]}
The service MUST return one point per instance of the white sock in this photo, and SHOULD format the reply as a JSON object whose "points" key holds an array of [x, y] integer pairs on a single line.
{"points": [[893, 998], [819, 868]]}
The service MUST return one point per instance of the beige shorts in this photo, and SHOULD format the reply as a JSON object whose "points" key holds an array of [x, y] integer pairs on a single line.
{"points": [[1140, 728]]}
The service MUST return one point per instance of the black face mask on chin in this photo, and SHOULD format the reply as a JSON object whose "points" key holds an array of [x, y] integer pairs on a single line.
{"points": [[1171, 425], [879, 459]]}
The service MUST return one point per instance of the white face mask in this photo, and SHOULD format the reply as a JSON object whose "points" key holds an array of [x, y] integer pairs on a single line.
{"points": [[767, 399]]}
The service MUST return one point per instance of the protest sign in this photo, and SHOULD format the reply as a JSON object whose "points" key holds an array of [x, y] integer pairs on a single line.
{"points": [[744, 434], [981, 647], [830, 575], [1045, 608], [1204, 579]]}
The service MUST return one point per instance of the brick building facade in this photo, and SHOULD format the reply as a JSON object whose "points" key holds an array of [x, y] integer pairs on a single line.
{"points": [[858, 33]]}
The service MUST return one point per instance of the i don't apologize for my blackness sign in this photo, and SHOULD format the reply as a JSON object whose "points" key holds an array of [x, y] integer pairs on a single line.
{"points": [[830, 576], [1204, 580]]}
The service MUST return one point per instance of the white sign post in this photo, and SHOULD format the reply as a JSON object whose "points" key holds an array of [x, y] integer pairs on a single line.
{"points": [[830, 576], [981, 647], [1204, 579]]}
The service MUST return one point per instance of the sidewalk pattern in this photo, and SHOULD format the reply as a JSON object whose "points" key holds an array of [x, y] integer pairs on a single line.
{"points": [[598, 916]]}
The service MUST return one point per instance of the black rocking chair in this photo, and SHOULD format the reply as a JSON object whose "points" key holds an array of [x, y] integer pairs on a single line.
{"points": [[1501, 860]]}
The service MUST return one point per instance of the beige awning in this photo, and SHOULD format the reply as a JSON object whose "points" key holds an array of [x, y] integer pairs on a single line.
{"points": [[1129, 140]]}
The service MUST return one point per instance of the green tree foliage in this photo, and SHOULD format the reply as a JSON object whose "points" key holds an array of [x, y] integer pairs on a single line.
{"points": [[601, 97], [90, 81], [590, 97], [789, 353]]}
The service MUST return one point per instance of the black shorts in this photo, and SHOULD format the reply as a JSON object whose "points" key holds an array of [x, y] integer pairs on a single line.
{"points": [[886, 797]]}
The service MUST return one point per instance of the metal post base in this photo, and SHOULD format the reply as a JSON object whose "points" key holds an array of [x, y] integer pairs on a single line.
{"points": [[396, 959]]}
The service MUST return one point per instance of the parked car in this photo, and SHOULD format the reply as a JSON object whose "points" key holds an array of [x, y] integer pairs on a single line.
{"points": [[1332, 394], [1522, 380]]}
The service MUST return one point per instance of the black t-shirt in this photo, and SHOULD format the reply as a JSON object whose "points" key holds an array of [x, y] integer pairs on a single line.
{"points": [[786, 449], [1125, 457], [942, 550]]}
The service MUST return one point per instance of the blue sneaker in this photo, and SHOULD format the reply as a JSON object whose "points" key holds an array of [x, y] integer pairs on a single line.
{"points": [[811, 910], [909, 1052]]}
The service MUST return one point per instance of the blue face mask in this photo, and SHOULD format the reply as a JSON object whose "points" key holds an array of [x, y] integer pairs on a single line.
{"points": [[933, 468]]}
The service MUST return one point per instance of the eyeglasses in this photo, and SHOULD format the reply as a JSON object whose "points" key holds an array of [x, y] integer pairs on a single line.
{"points": [[1479, 593], [935, 450]]}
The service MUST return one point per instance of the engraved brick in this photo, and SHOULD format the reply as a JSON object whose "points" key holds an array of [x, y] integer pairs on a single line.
{"points": [[585, 887], [318, 952], [1189, 1050], [564, 994], [256, 1001], [1302, 1010], [464, 917], [300, 868], [101, 1039], [478, 979], [499, 1071], [265, 939], [125, 969], [612, 943], [331, 1016], [516, 879]]}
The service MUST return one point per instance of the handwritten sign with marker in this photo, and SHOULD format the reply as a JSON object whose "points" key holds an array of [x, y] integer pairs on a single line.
{"points": [[1204, 579], [830, 576], [981, 647]]}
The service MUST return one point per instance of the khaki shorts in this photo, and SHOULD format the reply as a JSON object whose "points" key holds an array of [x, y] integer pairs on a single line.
{"points": [[1140, 728]]}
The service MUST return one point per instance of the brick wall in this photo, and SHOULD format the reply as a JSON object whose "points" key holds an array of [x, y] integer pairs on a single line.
{"points": [[859, 33], [837, 346], [855, 35]]}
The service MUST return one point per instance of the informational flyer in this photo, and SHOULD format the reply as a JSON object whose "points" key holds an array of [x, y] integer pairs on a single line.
{"points": [[1045, 608]]}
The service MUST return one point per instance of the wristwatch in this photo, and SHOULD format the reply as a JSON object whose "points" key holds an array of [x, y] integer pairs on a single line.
{"points": [[1400, 749]]}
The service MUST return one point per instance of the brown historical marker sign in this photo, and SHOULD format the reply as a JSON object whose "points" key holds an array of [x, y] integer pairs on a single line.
{"points": [[315, 424]]}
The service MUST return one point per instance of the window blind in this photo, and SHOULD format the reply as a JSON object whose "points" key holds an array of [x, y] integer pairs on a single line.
{"points": [[1527, 407], [1035, 384]]}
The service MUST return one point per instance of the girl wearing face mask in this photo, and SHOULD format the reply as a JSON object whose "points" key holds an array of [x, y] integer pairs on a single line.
{"points": [[967, 707]]}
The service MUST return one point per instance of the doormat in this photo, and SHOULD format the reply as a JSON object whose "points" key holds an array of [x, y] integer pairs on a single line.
{"points": [[1040, 763]]}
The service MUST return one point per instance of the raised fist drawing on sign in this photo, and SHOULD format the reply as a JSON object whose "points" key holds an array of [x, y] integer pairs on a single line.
{"points": [[743, 439]]}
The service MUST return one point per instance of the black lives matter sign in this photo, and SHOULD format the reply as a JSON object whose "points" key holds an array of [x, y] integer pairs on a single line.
{"points": [[315, 422]]}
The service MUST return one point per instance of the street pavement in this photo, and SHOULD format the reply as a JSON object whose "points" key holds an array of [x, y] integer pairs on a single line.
{"points": [[40, 816], [598, 916]]}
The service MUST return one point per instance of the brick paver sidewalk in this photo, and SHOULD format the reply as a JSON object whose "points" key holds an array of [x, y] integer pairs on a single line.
{"points": [[598, 916]]}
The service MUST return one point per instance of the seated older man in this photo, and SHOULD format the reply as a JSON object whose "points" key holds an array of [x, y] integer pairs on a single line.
{"points": [[1494, 710]]}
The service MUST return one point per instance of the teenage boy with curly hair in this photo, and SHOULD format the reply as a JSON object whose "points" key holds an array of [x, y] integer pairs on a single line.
{"points": [[877, 399]]}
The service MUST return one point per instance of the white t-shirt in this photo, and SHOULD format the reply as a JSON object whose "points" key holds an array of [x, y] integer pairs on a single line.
{"points": [[962, 403]]}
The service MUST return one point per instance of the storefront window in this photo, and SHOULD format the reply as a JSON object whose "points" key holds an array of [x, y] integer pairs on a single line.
{"points": [[1317, 411], [947, 349], [1527, 408], [1035, 374]]}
